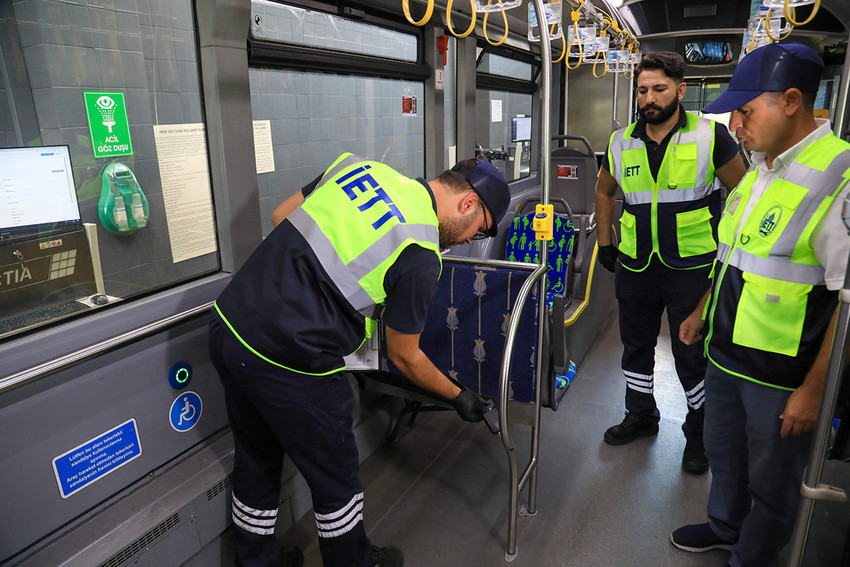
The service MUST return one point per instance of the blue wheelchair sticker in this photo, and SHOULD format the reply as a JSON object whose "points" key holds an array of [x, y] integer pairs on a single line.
{"points": [[185, 411]]}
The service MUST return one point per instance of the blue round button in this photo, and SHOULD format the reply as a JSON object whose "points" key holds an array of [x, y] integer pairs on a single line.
{"points": [[180, 375]]}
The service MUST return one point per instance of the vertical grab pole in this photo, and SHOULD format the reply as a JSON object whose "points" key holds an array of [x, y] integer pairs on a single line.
{"points": [[812, 489], [546, 55], [542, 314]]}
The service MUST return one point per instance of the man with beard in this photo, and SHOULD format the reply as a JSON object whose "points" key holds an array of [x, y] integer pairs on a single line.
{"points": [[667, 164], [359, 243]]}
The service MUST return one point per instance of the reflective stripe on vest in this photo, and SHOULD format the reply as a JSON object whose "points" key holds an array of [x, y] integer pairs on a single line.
{"points": [[788, 258], [398, 212], [770, 306], [673, 215], [697, 131]]}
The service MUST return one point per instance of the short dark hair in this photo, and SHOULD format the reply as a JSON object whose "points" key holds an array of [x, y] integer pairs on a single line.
{"points": [[456, 180], [671, 63]]}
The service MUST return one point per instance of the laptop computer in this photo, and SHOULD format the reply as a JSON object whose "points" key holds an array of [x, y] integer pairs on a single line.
{"points": [[45, 260]]}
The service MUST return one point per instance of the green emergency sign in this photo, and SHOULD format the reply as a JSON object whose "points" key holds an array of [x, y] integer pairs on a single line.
{"points": [[108, 126]]}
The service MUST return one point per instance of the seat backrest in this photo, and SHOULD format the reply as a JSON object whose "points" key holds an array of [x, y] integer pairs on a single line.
{"points": [[574, 179], [465, 331], [523, 247]]}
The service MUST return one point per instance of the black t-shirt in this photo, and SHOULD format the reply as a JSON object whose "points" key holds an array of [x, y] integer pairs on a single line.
{"points": [[725, 146]]}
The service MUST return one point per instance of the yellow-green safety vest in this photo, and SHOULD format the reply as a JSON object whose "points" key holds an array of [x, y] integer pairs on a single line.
{"points": [[356, 241], [675, 216], [770, 307]]}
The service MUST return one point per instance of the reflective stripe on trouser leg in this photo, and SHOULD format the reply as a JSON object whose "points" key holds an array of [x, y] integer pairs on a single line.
{"points": [[260, 522], [643, 383], [342, 521], [696, 396], [640, 307]]}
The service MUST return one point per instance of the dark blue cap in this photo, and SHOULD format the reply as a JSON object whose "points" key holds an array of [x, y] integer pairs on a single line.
{"points": [[775, 67], [491, 186]]}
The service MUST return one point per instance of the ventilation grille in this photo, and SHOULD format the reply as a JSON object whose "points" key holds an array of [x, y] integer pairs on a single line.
{"points": [[140, 544], [220, 487], [701, 11]]}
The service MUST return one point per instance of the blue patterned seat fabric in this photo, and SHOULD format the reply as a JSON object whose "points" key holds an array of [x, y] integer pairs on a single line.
{"points": [[467, 322]]}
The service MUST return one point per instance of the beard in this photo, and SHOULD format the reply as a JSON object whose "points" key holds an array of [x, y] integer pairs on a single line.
{"points": [[661, 114], [450, 230]]}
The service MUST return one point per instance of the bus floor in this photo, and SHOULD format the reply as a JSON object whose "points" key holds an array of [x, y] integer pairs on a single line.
{"points": [[441, 493]]}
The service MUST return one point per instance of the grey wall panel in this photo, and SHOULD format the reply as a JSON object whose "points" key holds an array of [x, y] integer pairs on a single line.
{"points": [[589, 105], [59, 412]]}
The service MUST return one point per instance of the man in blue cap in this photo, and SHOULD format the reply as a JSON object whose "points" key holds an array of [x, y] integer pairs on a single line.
{"points": [[360, 243], [782, 256]]}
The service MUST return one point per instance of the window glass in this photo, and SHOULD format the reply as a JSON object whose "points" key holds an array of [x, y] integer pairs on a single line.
{"points": [[116, 86], [289, 24], [497, 115], [495, 64], [494, 114], [313, 117]]}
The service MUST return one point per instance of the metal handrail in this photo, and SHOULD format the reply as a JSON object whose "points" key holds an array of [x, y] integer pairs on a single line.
{"points": [[504, 383], [540, 273], [75, 357]]}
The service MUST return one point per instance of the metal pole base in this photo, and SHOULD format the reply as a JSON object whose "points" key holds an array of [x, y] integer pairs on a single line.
{"points": [[523, 511]]}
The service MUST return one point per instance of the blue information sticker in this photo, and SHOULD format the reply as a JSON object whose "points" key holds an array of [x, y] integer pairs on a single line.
{"points": [[185, 411], [96, 458]]}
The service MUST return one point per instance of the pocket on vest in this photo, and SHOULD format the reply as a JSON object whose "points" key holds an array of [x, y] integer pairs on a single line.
{"points": [[770, 315], [693, 233], [684, 172], [628, 235]]}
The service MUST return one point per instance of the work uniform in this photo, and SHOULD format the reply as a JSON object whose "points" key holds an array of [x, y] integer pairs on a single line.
{"points": [[365, 240], [667, 246], [768, 314]]}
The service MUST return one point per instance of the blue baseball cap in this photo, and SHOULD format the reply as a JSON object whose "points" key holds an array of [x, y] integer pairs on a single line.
{"points": [[775, 67], [491, 187]]}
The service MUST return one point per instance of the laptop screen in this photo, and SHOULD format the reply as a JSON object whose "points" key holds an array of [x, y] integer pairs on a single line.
{"points": [[37, 193]]}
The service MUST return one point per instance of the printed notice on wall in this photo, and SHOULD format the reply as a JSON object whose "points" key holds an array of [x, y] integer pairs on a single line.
{"points": [[263, 154], [96, 458], [182, 153], [495, 110]]}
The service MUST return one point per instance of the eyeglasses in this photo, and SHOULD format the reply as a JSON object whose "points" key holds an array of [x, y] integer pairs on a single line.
{"points": [[485, 232]]}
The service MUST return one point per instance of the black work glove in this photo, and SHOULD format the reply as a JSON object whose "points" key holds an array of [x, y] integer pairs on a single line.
{"points": [[608, 257], [470, 406]]}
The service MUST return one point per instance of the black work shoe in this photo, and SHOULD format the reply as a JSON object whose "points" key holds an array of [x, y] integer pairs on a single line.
{"points": [[694, 459], [387, 557], [632, 427], [698, 538], [291, 556]]}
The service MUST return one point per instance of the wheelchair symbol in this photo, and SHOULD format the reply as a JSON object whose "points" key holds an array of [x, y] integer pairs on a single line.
{"points": [[185, 411]]}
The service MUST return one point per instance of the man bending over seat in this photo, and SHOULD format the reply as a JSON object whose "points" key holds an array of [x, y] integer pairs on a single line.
{"points": [[360, 242]]}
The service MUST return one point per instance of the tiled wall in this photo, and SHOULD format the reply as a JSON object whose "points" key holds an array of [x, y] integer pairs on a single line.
{"points": [[145, 49], [315, 117]]}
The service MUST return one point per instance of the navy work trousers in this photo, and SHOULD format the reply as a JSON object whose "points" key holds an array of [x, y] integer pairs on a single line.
{"points": [[642, 298], [755, 473], [274, 412]]}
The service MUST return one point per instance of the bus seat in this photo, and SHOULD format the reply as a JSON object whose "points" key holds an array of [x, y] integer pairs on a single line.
{"points": [[523, 247]]}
